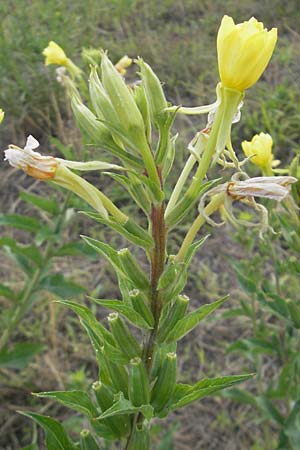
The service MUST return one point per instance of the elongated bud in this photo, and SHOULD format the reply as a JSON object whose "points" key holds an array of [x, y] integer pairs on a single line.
{"points": [[165, 383], [177, 312], [87, 121], [100, 100], [105, 399], [123, 337], [133, 270], [140, 439], [139, 390], [87, 442], [117, 374], [123, 64], [143, 105], [122, 99], [2, 114], [154, 92], [140, 305], [294, 310]]}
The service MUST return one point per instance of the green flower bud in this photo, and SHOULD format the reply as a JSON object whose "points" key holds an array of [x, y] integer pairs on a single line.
{"points": [[87, 442], [140, 438], [143, 105], [117, 374], [140, 305], [105, 398], [165, 384], [125, 340], [154, 92], [176, 312], [133, 270], [139, 390]]}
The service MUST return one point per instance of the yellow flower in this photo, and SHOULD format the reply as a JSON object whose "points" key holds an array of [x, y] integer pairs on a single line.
{"points": [[55, 55], [244, 51], [2, 114], [259, 149], [123, 64]]}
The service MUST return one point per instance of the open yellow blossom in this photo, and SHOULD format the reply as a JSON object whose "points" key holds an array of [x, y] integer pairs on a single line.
{"points": [[259, 149], [244, 51], [55, 55]]}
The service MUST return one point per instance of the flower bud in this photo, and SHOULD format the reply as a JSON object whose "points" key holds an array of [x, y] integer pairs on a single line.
{"points": [[125, 340], [2, 114], [117, 373], [123, 64], [259, 150], [139, 390], [140, 305], [244, 51], [176, 312], [87, 442], [133, 270], [165, 383], [105, 399], [140, 438], [100, 100]]}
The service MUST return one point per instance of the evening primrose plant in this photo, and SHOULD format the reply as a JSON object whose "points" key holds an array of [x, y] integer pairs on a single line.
{"points": [[136, 347]]}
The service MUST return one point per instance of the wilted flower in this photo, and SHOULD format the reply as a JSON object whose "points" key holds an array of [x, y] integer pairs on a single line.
{"points": [[244, 51], [259, 149], [275, 188], [56, 170]]}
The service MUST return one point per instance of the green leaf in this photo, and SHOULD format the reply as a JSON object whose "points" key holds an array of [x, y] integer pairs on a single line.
{"points": [[193, 248], [89, 319], [240, 396], [77, 400], [191, 320], [246, 283], [131, 231], [291, 430], [124, 406], [269, 409], [116, 305], [21, 222], [44, 203], [60, 286], [186, 394], [20, 355], [59, 440], [76, 249]]}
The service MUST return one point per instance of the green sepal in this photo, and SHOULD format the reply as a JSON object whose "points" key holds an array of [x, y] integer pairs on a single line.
{"points": [[166, 143], [99, 98], [185, 394], [125, 340], [138, 389], [127, 311], [193, 248], [140, 438], [58, 438], [87, 441], [189, 322], [165, 384], [77, 400], [132, 269], [176, 312], [170, 156], [131, 231], [140, 305], [124, 406]]}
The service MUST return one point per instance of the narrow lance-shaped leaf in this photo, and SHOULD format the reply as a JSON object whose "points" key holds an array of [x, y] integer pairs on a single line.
{"points": [[77, 400], [185, 325], [124, 406]]}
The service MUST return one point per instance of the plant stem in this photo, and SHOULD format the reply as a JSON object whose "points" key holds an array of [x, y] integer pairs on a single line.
{"points": [[214, 204], [157, 262]]}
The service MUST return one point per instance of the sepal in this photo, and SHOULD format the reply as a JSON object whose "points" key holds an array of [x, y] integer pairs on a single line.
{"points": [[125, 340], [139, 389]]}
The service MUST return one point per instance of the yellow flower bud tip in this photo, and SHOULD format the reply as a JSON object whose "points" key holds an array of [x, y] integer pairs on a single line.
{"points": [[2, 114], [123, 64], [55, 55], [274, 188], [259, 150], [244, 51], [33, 163]]}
